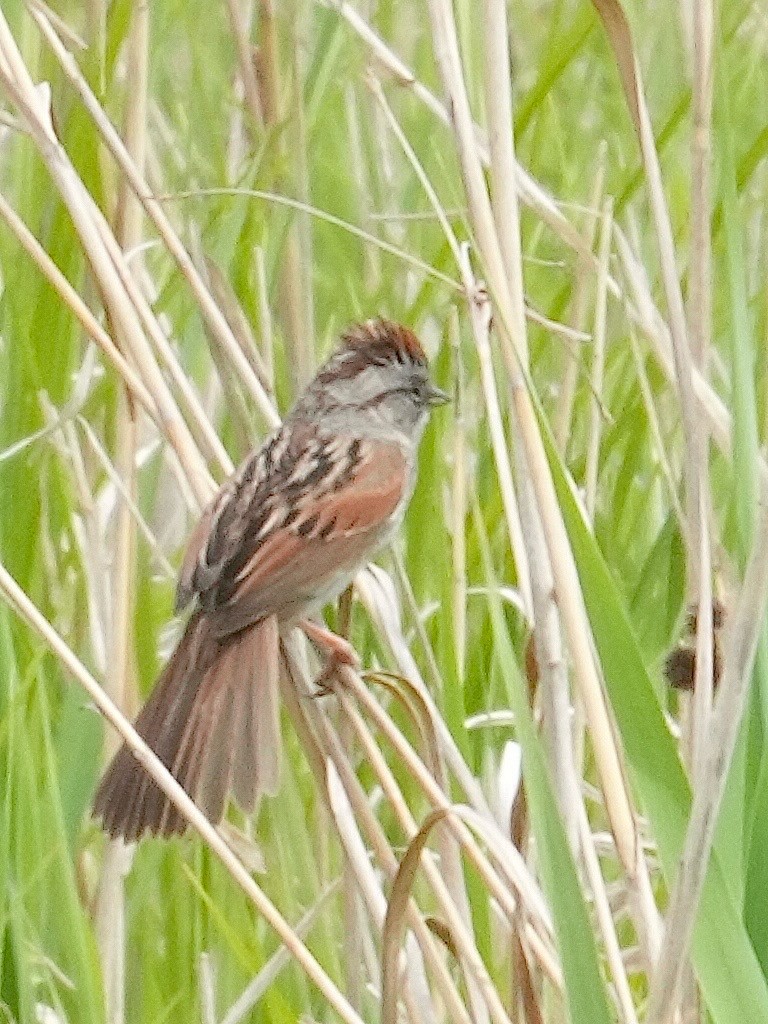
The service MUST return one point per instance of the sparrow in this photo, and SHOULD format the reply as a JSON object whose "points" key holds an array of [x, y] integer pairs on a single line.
{"points": [[284, 535]]}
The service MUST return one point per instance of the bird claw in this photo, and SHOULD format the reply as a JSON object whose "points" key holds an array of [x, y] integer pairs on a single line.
{"points": [[338, 653]]}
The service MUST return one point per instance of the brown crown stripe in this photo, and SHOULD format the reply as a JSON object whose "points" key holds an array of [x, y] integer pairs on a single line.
{"points": [[390, 338]]}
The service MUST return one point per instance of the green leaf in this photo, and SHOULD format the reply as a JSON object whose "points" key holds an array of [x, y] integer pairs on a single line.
{"points": [[723, 957], [584, 985]]}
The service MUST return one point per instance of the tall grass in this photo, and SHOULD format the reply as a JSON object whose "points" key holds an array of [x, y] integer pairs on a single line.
{"points": [[565, 200]]}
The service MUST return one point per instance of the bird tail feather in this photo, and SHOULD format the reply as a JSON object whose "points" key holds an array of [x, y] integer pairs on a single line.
{"points": [[213, 720]]}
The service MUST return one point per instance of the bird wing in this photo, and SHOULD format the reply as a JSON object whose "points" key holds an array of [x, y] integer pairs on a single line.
{"points": [[302, 511]]}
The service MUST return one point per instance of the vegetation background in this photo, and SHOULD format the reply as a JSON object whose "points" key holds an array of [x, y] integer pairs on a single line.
{"points": [[599, 313]]}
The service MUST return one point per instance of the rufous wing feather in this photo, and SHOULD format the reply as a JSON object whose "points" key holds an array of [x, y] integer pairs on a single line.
{"points": [[212, 719], [345, 525]]}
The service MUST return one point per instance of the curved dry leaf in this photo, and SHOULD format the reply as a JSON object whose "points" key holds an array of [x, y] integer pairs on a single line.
{"points": [[394, 921]]}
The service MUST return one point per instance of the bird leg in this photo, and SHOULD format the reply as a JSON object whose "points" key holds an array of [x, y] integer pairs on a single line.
{"points": [[336, 650]]}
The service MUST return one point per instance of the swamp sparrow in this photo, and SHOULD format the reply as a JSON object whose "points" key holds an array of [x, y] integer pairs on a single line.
{"points": [[283, 536]]}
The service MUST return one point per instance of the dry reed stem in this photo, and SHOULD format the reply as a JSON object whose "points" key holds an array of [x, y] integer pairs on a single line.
{"points": [[149, 761], [745, 626], [241, 33], [320, 743], [90, 226], [547, 629], [110, 925], [700, 281], [605, 919], [516, 873], [566, 581], [501, 145], [540, 593], [695, 437], [579, 306], [78, 308], [700, 325], [509, 497], [257, 987], [210, 311], [598, 359], [641, 310], [392, 636], [415, 992], [265, 318], [459, 504], [295, 291]]}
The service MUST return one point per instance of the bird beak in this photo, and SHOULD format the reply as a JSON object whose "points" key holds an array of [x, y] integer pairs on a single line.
{"points": [[435, 396]]}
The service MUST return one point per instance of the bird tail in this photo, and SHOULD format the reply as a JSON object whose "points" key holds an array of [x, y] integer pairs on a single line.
{"points": [[213, 720]]}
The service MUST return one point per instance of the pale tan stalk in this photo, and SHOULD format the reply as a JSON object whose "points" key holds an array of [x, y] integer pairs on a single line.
{"points": [[745, 627], [415, 992], [695, 434], [109, 926], [33, 107], [531, 193], [265, 318], [553, 677], [509, 497], [563, 415], [700, 298], [539, 594], [653, 421], [119, 680], [128, 234], [391, 634], [295, 285], [567, 587], [605, 920], [268, 974], [598, 360], [700, 321], [78, 308], [708, 402], [480, 318], [130, 501], [210, 311], [501, 144], [320, 743], [516, 873], [241, 33], [19, 601], [458, 505]]}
